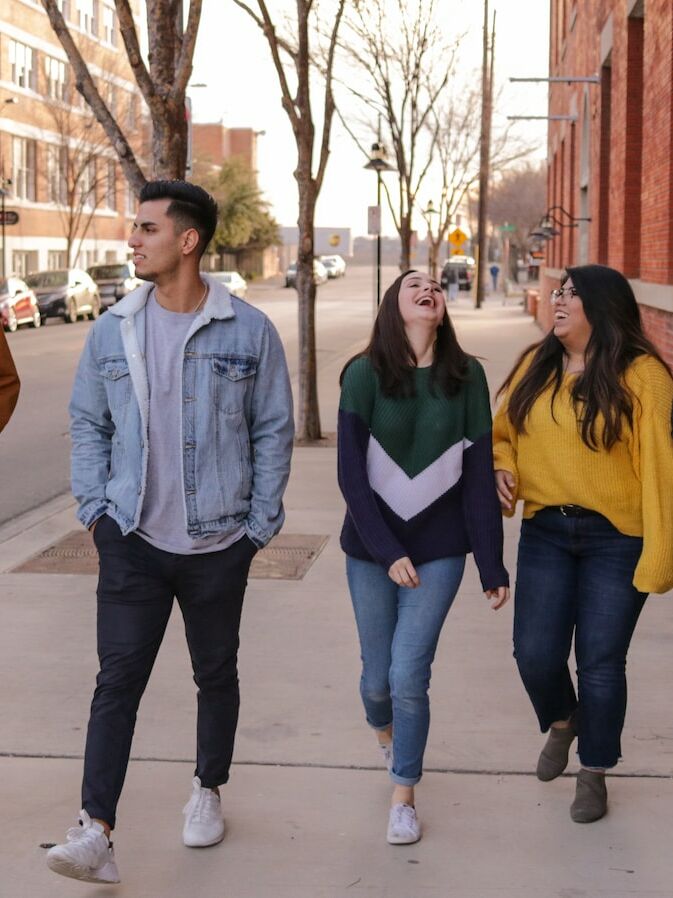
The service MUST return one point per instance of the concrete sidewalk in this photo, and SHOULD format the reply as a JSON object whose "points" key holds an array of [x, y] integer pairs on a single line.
{"points": [[306, 807]]}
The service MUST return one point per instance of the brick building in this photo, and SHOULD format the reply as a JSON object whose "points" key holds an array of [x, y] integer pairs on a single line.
{"points": [[611, 160], [46, 131]]}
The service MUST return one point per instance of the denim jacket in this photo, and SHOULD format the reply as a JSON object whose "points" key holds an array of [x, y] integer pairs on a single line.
{"points": [[237, 421]]}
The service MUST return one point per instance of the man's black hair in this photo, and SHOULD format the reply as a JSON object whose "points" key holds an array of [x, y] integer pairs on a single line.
{"points": [[191, 207]]}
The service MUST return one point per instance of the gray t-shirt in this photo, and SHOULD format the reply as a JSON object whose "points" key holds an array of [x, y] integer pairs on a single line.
{"points": [[163, 521]]}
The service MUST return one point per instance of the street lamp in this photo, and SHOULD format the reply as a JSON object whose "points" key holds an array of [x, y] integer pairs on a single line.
{"points": [[4, 182], [427, 214], [377, 162]]}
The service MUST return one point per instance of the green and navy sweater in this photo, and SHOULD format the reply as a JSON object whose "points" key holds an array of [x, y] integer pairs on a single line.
{"points": [[417, 473]]}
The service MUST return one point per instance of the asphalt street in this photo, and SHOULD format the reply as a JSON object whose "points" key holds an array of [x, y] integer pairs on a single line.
{"points": [[34, 450]]}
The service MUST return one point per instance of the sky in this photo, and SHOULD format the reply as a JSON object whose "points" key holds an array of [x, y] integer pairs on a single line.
{"points": [[232, 59]]}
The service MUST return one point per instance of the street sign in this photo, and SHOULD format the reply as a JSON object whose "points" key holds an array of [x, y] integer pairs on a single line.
{"points": [[9, 217], [457, 251], [374, 220], [457, 237], [507, 227]]}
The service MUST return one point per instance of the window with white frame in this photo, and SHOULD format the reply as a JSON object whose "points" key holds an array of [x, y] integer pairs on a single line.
{"points": [[109, 20], [56, 82], [56, 259], [87, 184], [131, 202], [22, 63], [24, 262], [64, 6], [110, 199], [23, 168], [56, 179], [87, 16]]}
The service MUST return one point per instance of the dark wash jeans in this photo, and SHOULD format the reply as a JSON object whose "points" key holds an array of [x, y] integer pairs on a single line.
{"points": [[136, 587], [574, 576]]}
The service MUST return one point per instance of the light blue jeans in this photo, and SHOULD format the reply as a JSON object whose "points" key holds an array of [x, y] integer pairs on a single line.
{"points": [[399, 629]]}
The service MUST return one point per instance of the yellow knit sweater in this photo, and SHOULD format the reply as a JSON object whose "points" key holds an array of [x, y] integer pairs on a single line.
{"points": [[631, 484]]}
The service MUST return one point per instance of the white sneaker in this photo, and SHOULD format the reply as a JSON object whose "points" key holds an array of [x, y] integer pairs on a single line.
{"points": [[203, 817], [387, 752], [87, 855], [403, 825]]}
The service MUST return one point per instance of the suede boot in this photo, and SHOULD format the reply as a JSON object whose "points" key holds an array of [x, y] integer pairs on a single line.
{"points": [[553, 758], [591, 797]]}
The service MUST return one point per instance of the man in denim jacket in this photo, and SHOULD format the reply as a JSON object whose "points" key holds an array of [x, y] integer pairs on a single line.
{"points": [[181, 441]]}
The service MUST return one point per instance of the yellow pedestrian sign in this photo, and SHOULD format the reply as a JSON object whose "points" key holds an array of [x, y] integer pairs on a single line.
{"points": [[457, 237]]}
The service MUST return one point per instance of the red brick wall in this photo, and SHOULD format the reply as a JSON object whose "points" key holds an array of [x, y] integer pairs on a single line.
{"points": [[630, 116], [659, 328]]}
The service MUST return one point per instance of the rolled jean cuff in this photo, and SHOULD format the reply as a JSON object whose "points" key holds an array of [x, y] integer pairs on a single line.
{"points": [[404, 780], [598, 766], [378, 727]]}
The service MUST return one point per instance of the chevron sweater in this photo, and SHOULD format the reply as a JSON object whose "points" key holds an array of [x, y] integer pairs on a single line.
{"points": [[417, 473]]}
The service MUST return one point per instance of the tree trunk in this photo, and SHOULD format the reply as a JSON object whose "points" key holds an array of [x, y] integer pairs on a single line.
{"points": [[308, 413], [405, 242], [169, 143], [433, 253]]}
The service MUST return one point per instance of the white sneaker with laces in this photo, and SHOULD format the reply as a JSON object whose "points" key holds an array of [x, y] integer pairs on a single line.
{"points": [[403, 825], [86, 855], [203, 817]]}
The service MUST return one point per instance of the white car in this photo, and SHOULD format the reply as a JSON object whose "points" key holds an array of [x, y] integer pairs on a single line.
{"points": [[335, 265], [232, 280]]}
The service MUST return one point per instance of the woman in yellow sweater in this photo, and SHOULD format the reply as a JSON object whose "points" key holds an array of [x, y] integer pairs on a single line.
{"points": [[583, 436]]}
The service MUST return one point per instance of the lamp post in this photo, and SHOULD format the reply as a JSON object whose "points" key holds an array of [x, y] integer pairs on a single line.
{"points": [[4, 183], [377, 163], [427, 214]]}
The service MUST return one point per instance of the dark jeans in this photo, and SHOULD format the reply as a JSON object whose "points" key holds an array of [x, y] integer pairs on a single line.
{"points": [[136, 587], [575, 576]]}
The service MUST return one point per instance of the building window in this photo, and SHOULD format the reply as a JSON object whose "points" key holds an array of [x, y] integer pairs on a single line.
{"points": [[87, 184], [24, 262], [21, 60], [110, 185], [56, 180], [56, 259], [64, 7], [109, 19], [56, 83], [87, 16], [23, 168], [131, 202]]}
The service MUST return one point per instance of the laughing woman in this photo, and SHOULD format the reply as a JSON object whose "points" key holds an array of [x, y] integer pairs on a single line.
{"points": [[415, 468], [583, 436]]}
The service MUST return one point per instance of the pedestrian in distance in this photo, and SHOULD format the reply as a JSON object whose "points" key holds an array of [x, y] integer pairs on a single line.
{"points": [[452, 285], [181, 441], [494, 271], [9, 383], [583, 437], [414, 457]]}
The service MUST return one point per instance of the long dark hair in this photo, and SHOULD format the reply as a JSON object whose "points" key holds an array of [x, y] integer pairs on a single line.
{"points": [[393, 357], [617, 339]]}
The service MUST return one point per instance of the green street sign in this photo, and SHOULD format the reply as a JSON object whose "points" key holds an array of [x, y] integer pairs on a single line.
{"points": [[507, 227]]}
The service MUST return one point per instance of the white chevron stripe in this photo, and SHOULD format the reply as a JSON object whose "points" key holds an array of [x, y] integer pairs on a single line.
{"points": [[407, 496]]}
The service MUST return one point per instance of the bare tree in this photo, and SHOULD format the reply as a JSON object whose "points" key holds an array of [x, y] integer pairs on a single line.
{"points": [[405, 63], [454, 126], [163, 85], [292, 58], [519, 198]]}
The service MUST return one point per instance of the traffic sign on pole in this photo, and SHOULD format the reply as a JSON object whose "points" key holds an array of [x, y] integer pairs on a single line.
{"points": [[457, 237]]}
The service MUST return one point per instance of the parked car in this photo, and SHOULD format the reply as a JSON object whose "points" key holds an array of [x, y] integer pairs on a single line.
{"points": [[68, 293], [232, 280], [465, 267], [114, 281], [18, 304], [335, 265], [319, 273]]}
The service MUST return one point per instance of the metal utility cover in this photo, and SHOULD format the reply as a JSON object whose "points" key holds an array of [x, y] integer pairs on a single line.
{"points": [[287, 557]]}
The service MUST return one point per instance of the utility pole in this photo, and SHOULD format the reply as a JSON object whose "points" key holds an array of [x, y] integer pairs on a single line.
{"points": [[484, 154]]}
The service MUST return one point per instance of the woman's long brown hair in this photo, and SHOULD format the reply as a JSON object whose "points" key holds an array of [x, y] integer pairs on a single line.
{"points": [[393, 358], [599, 392]]}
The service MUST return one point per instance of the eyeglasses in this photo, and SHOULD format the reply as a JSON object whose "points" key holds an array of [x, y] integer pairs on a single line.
{"points": [[565, 292]]}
